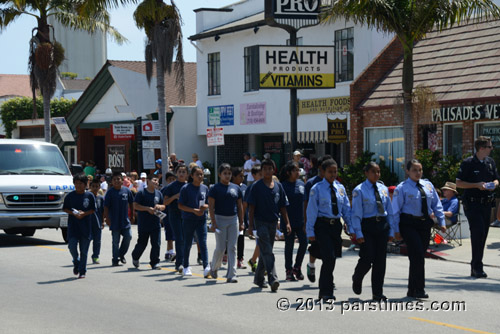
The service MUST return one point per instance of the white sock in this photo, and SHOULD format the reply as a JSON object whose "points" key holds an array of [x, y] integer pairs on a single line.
{"points": [[170, 251], [311, 265]]}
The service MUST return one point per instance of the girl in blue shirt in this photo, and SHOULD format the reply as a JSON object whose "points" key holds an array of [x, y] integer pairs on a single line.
{"points": [[225, 208], [294, 189], [372, 225]]}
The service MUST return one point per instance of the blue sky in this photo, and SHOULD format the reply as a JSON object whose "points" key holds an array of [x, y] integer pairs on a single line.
{"points": [[14, 39]]}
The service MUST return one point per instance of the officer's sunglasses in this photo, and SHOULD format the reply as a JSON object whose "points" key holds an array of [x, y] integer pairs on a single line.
{"points": [[490, 146]]}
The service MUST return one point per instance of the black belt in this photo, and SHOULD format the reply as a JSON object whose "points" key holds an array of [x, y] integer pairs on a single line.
{"points": [[375, 219], [330, 221], [417, 218], [480, 200]]}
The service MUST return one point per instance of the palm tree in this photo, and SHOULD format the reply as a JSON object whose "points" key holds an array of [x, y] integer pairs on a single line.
{"points": [[46, 54], [162, 24], [410, 20]]}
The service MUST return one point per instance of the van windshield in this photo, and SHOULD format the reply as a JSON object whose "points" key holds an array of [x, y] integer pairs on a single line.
{"points": [[32, 159]]}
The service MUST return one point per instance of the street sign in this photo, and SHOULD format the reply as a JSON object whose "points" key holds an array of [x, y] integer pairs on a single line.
{"points": [[122, 131], [215, 136], [148, 144], [63, 129], [221, 115], [150, 128], [292, 13], [337, 131]]}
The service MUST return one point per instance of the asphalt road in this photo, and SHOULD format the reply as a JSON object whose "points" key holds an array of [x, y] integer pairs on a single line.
{"points": [[39, 294]]}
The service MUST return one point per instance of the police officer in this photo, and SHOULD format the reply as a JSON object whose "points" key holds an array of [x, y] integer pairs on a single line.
{"points": [[372, 223], [328, 202], [413, 203], [478, 175]]}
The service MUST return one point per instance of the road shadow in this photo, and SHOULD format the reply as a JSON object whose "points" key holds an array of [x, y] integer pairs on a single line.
{"points": [[252, 290], [7, 240], [206, 283], [298, 288], [493, 245], [59, 281]]}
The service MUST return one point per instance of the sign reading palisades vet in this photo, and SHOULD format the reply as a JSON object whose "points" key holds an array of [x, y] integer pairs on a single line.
{"points": [[296, 67]]}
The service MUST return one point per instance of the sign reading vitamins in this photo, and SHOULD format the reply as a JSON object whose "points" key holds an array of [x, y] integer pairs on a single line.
{"points": [[327, 105], [253, 113], [297, 67], [337, 131]]}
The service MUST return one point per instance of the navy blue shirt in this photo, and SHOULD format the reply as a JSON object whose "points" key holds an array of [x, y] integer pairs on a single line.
{"points": [[309, 184], [226, 198], [117, 202], [148, 222], [97, 216], [192, 196], [171, 190], [79, 228], [267, 201], [295, 194], [247, 193], [473, 170]]}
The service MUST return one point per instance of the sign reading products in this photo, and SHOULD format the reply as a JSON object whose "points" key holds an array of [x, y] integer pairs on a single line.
{"points": [[466, 113], [296, 67]]}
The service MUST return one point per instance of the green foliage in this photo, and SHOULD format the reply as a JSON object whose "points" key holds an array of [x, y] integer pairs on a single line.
{"points": [[69, 75], [21, 108], [353, 174], [438, 169]]}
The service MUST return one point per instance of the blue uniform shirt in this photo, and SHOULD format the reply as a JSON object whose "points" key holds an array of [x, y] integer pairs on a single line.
{"points": [[79, 228], [309, 184], [320, 204], [295, 194], [192, 196], [171, 190], [452, 206], [117, 202], [407, 199], [364, 205], [226, 198], [148, 222], [267, 201]]}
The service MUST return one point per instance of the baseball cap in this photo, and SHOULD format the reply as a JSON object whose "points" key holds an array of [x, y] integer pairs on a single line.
{"points": [[143, 175], [297, 153], [158, 161]]}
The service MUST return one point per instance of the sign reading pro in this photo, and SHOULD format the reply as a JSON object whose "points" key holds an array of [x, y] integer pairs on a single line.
{"points": [[296, 67]]}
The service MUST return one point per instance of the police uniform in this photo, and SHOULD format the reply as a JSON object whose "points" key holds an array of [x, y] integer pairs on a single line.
{"points": [[372, 220], [323, 223], [477, 206], [412, 219]]}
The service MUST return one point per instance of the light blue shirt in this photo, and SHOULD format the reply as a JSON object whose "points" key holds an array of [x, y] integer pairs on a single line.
{"points": [[364, 205], [320, 204], [407, 199]]}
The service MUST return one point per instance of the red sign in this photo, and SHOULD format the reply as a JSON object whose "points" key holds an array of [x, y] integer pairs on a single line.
{"points": [[122, 131], [215, 136]]}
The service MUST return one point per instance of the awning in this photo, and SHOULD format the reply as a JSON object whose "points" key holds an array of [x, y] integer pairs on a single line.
{"points": [[307, 137]]}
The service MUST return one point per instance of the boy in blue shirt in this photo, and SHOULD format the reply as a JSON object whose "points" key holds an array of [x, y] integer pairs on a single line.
{"points": [[117, 203], [79, 205], [148, 202], [97, 222], [266, 201]]}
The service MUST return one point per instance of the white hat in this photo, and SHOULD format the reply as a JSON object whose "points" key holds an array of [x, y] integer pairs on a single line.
{"points": [[297, 153], [109, 171], [143, 175], [123, 174]]}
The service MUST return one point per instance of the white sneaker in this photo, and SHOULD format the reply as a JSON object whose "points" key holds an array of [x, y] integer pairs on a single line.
{"points": [[187, 272], [206, 271], [496, 223]]}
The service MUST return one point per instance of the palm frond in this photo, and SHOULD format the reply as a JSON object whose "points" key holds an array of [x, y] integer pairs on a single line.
{"points": [[8, 15]]}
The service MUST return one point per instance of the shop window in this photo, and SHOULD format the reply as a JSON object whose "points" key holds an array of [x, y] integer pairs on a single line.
{"points": [[251, 68], [490, 129], [453, 140], [388, 145], [214, 73], [344, 61]]}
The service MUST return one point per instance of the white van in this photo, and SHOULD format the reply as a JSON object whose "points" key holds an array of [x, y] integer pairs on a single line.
{"points": [[34, 179]]}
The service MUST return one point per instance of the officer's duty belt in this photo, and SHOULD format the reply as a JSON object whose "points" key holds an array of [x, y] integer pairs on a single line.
{"points": [[330, 221], [375, 219], [481, 200], [418, 218]]}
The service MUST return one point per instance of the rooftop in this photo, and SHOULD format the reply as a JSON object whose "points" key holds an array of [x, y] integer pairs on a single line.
{"points": [[15, 85]]}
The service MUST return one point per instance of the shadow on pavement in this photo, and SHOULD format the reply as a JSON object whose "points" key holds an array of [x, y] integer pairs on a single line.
{"points": [[7, 240], [252, 290], [59, 280], [494, 245]]}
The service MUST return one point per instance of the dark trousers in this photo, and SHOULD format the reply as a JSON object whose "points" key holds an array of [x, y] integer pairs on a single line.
{"points": [[478, 216], [241, 246], [142, 243], [175, 220], [373, 253], [289, 243], [416, 235], [266, 231], [330, 243], [96, 239], [200, 227]]}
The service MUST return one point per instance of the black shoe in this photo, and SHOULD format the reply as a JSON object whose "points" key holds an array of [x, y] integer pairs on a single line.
{"points": [[289, 275], [123, 260], [75, 269], [262, 285], [115, 263], [379, 298], [311, 273], [275, 285], [478, 274], [410, 293], [421, 295], [356, 286], [298, 274]]}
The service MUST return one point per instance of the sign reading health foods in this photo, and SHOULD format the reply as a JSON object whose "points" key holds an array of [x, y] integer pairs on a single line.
{"points": [[296, 67]]}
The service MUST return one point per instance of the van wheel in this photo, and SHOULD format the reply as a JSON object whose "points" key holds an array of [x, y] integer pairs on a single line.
{"points": [[28, 232], [64, 232], [10, 231]]}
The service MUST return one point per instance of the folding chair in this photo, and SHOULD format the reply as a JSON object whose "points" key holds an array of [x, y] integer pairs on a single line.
{"points": [[453, 234]]}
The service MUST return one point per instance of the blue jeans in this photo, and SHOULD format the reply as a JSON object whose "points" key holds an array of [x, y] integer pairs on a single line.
{"points": [[119, 251], [174, 218], [79, 260], [200, 227], [142, 243], [289, 243], [266, 231], [96, 239]]}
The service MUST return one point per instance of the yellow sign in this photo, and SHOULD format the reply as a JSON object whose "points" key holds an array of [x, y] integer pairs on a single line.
{"points": [[272, 80], [324, 105], [337, 131]]}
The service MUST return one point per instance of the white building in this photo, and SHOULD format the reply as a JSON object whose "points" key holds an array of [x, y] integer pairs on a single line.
{"points": [[222, 40]]}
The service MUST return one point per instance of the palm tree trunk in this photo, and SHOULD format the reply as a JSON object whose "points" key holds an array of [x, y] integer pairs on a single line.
{"points": [[162, 117], [46, 116], [408, 106]]}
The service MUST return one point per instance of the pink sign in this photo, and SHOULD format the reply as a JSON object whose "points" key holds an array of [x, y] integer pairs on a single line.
{"points": [[253, 113]]}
